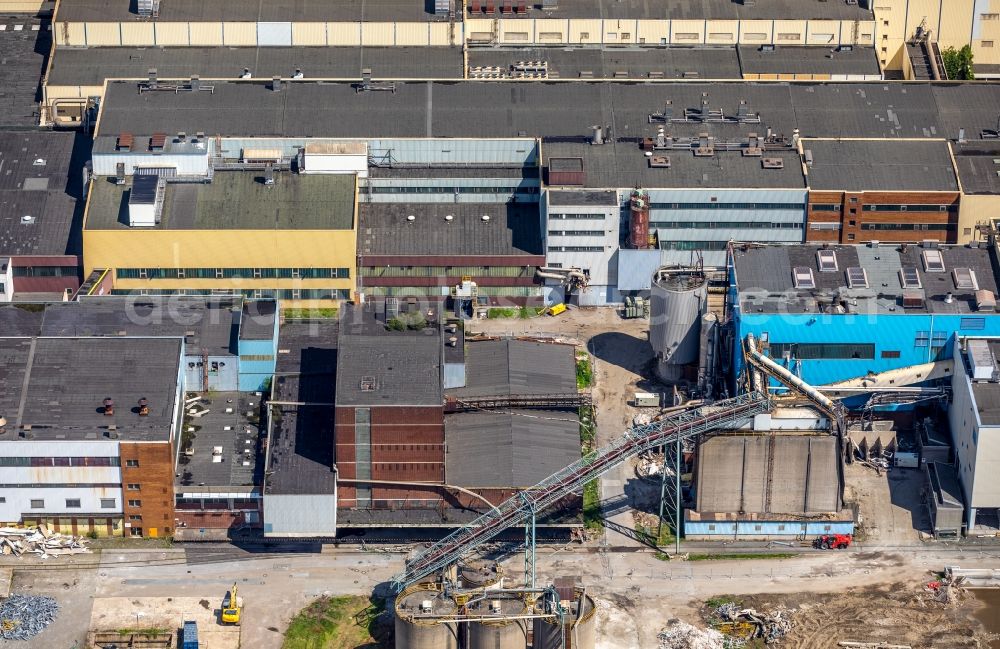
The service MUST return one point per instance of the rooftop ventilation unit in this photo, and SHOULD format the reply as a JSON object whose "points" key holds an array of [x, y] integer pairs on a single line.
{"points": [[985, 300], [857, 277], [933, 261], [803, 277], [981, 361], [965, 279], [913, 299], [909, 278], [772, 163], [148, 8], [826, 261]]}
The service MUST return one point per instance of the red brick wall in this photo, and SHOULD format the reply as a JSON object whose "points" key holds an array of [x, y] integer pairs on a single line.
{"points": [[852, 216], [155, 477]]}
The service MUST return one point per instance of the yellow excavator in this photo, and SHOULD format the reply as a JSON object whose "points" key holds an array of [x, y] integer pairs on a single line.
{"points": [[232, 607]]}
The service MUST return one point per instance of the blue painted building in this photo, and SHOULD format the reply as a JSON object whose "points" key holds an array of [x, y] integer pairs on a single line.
{"points": [[257, 345], [835, 313]]}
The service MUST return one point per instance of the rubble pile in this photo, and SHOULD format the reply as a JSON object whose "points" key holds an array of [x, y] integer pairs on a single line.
{"points": [[40, 540], [772, 626], [24, 616], [681, 635]]}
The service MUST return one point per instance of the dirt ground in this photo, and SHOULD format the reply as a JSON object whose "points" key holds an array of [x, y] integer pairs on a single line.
{"points": [[891, 511], [170, 613], [900, 613]]}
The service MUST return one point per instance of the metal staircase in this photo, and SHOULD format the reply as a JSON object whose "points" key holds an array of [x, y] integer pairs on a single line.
{"points": [[521, 508]]}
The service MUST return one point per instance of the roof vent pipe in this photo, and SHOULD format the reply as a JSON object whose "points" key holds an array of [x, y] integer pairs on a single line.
{"points": [[276, 84], [795, 137], [486, 218], [598, 134], [949, 298], [410, 218]]}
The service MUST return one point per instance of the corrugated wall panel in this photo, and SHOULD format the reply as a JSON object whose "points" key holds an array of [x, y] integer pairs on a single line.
{"points": [[722, 32], [823, 32], [138, 34], [274, 34], [652, 32], [546, 30], [687, 32], [103, 34], [373, 34], [343, 34], [756, 32], [206, 34], [440, 34], [790, 32], [313, 515], [70, 34], [308, 34], [412, 34], [478, 29], [172, 34], [585, 31], [239, 34]]}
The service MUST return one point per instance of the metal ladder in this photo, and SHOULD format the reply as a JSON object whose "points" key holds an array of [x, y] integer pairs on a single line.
{"points": [[521, 507]]}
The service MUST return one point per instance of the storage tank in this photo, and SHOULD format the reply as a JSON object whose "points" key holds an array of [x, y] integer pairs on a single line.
{"points": [[678, 298], [638, 220], [576, 626], [498, 634], [416, 627]]}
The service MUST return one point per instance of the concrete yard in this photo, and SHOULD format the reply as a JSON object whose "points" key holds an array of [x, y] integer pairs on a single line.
{"points": [[120, 614]]}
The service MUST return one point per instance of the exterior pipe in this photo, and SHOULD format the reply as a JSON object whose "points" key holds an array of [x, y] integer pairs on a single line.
{"points": [[786, 377]]}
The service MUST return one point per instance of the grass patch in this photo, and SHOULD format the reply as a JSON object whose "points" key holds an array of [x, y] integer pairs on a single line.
{"points": [[526, 312], [592, 506], [584, 372], [309, 314], [729, 556], [650, 533], [347, 622], [721, 600], [501, 312]]}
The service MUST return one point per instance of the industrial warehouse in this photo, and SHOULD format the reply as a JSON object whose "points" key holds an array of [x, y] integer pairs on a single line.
{"points": [[566, 324]]}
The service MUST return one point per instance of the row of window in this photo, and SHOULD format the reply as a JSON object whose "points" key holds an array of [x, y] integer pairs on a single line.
{"points": [[509, 189], [44, 271], [763, 225], [577, 216], [576, 233], [726, 206], [576, 248], [233, 273], [256, 293], [885, 207], [74, 503], [256, 357], [693, 245], [823, 351], [484, 291], [446, 271], [932, 227], [59, 461]]}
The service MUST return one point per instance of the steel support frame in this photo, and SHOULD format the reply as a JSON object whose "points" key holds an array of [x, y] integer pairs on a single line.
{"points": [[670, 493], [529, 543]]}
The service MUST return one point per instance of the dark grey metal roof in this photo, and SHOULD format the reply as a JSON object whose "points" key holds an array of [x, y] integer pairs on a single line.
{"points": [[873, 165], [623, 164], [809, 60], [257, 320], [731, 475], [511, 449], [987, 398], [766, 285], [560, 198], [38, 181], [57, 386], [91, 66], [23, 54], [616, 62], [503, 367], [978, 167], [203, 323], [249, 11], [512, 229], [490, 109], [301, 460], [378, 367], [200, 468]]}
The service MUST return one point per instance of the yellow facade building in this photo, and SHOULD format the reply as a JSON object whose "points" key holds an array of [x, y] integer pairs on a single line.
{"points": [[294, 239]]}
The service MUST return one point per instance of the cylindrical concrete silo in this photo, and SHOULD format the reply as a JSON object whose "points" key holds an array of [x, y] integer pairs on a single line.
{"points": [[500, 633], [417, 624], [480, 575], [638, 220], [677, 302], [574, 629]]}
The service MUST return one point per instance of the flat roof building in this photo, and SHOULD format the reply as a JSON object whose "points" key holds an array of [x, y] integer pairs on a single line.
{"points": [[105, 415]]}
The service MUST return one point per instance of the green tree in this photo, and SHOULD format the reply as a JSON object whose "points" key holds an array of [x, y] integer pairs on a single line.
{"points": [[958, 63]]}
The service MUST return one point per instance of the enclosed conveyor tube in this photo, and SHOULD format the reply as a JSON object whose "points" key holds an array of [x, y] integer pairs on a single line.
{"points": [[786, 378]]}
